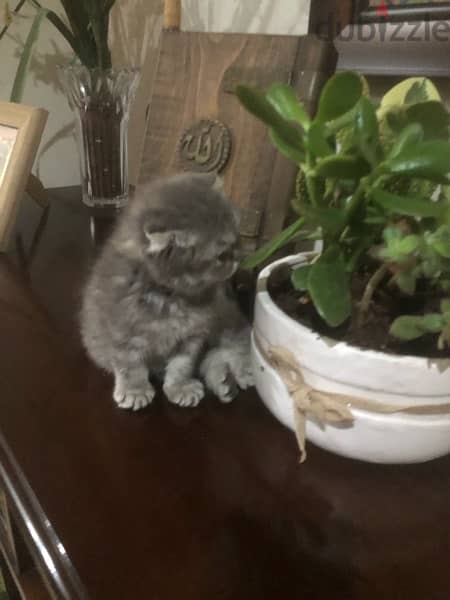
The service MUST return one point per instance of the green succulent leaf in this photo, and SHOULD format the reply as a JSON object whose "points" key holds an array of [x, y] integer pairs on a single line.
{"points": [[399, 248], [284, 100], [407, 205], [433, 322], [407, 328], [299, 278], [339, 95], [445, 305], [406, 282], [396, 119], [255, 102], [425, 159], [329, 288], [316, 141], [411, 327], [444, 338], [417, 92], [398, 95], [431, 264], [440, 241], [432, 116], [331, 220], [286, 149], [367, 130], [408, 244], [342, 125], [391, 234], [342, 167], [410, 135]]}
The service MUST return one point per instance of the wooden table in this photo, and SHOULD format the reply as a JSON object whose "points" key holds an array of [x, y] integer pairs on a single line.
{"points": [[202, 504]]}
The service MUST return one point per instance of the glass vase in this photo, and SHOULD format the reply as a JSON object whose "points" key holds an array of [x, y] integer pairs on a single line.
{"points": [[101, 100]]}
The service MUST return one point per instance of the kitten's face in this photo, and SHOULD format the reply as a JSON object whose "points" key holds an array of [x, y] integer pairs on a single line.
{"points": [[190, 235]]}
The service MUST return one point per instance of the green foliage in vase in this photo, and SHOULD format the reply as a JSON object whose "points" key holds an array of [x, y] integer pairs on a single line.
{"points": [[85, 28], [373, 185]]}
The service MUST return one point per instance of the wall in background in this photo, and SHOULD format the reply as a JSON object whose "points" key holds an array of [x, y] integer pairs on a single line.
{"points": [[284, 17], [136, 27], [135, 31], [57, 161]]}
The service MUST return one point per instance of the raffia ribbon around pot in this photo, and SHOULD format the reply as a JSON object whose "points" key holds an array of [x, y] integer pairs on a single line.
{"points": [[324, 407]]}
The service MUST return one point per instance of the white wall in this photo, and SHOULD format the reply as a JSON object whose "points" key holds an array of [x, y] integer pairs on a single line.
{"points": [[284, 17], [59, 164]]}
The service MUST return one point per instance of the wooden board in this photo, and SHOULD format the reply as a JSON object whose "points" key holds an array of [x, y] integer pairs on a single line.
{"points": [[195, 79]]}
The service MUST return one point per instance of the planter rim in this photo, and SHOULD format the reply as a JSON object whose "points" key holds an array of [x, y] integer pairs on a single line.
{"points": [[265, 297]]}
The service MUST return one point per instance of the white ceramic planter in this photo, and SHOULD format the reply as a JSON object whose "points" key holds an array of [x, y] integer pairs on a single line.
{"points": [[336, 367]]}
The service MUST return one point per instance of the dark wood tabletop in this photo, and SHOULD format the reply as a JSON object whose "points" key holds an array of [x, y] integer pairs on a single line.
{"points": [[202, 504]]}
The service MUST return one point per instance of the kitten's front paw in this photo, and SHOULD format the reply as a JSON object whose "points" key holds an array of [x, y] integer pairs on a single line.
{"points": [[134, 399], [187, 394]]}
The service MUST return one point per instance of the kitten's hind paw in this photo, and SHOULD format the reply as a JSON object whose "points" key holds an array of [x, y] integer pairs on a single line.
{"points": [[187, 394], [221, 382], [243, 374], [134, 399]]}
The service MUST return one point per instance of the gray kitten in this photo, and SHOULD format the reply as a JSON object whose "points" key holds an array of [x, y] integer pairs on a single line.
{"points": [[156, 299]]}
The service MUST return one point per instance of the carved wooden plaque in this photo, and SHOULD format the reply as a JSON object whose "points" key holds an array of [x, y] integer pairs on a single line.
{"points": [[196, 123]]}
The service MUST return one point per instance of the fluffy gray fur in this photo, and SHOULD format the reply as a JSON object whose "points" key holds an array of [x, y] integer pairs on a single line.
{"points": [[156, 299]]}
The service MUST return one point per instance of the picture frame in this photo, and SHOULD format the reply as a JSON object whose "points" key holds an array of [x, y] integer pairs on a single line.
{"points": [[373, 11], [21, 130]]}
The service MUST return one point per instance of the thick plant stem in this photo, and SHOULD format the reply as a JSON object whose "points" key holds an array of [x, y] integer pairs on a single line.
{"points": [[310, 181], [263, 253], [355, 202], [371, 287], [311, 187]]}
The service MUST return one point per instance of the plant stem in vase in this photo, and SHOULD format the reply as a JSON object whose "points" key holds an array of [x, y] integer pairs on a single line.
{"points": [[102, 99]]}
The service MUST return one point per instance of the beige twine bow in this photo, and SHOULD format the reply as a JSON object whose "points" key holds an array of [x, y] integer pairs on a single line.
{"points": [[327, 408], [324, 408]]}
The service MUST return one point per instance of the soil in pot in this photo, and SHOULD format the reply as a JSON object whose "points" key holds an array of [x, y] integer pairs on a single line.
{"points": [[373, 334]]}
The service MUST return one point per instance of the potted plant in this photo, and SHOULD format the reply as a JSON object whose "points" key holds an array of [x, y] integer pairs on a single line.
{"points": [[100, 95], [351, 342]]}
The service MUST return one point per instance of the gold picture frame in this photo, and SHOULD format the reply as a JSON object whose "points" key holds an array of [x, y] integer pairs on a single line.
{"points": [[21, 130]]}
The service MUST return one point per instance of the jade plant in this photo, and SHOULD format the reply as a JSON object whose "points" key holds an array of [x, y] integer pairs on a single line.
{"points": [[373, 185]]}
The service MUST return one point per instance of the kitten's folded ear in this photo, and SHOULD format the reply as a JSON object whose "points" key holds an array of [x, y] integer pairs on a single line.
{"points": [[210, 179], [161, 240], [218, 183]]}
